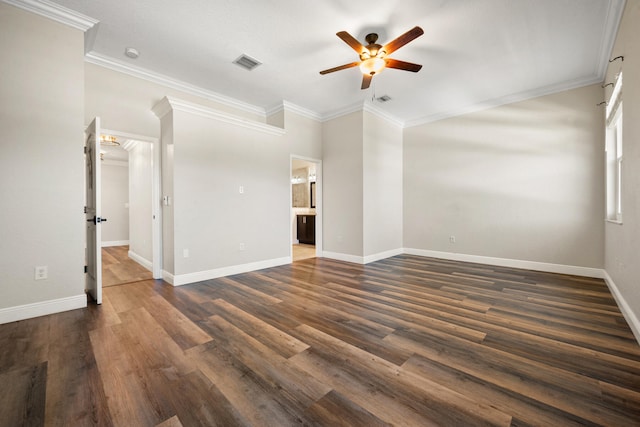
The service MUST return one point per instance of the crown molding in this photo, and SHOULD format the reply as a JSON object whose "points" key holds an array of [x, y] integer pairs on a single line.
{"points": [[55, 12], [276, 108], [369, 108], [362, 107], [353, 108], [610, 32], [293, 108], [167, 104], [505, 100], [153, 77], [301, 111]]}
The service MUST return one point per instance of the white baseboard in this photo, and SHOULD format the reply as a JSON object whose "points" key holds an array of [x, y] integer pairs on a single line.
{"points": [[343, 257], [141, 260], [362, 259], [167, 277], [183, 279], [514, 263], [115, 243], [28, 311], [383, 255], [624, 307]]}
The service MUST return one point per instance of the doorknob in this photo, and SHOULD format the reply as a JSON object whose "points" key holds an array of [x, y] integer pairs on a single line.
{"points": [[97, 220]]}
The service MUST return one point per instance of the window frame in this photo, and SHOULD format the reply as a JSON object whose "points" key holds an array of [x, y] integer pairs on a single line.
{"points": [[614, 155]]}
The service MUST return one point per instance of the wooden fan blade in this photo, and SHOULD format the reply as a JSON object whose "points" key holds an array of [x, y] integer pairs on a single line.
{"points": [[341, 67], [401, 65], [351, 41], [366, 81], [396, 44]]}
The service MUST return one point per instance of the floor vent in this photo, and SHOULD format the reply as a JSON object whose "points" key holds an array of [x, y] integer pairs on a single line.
{"points": [[383, 98], [247, 62]]}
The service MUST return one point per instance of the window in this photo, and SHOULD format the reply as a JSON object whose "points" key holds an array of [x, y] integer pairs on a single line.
{"points": [[613, 150]]}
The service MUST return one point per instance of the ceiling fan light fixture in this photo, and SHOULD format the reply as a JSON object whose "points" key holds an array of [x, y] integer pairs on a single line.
{"points": [[372, 66]]}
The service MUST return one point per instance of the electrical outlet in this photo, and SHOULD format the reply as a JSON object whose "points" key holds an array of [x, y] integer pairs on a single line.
{"points": [[242, 246], [41, 272], [241, 189], [185, 253], [452, 239]]}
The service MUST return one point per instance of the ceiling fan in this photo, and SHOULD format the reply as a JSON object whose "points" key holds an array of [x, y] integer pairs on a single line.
{"points": [[374, 57]]}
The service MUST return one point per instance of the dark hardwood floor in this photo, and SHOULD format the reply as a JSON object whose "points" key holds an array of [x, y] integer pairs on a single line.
{"points": [[406, 341]]}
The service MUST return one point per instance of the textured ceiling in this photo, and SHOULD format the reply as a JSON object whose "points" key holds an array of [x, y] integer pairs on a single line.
{"points": [[475, 53]]}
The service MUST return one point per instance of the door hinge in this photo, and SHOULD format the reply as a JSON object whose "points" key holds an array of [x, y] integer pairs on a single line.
{"points": [[85, 209], [85, 149], [86, 270]]}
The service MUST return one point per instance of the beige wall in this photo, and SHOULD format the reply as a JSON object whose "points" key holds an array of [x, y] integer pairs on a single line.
{"points": [[167, 212], [343, 181], [303, 135], [623, 241], [41, 158], [521, 181], [211, 160], [362, 158], [382, 186]]}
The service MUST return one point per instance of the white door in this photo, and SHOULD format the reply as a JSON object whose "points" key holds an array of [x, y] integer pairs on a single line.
{"points": [[93, 211]]}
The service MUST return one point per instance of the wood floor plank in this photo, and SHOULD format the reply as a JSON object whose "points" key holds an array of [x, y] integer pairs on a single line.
{"points": [[182, 330], [23, 403], [554, 387], [270, 336], [171, 422], [302, 388], [253, 396], [199, 402], [74, 399], [24, 343], [445, 406], [339, 411], [524, 409], [370, 395], [124, 392]]}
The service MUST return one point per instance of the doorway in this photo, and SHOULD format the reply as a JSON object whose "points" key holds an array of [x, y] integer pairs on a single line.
{"points": [[126, 180], [145, 234], [306, 208], [118, 260]]}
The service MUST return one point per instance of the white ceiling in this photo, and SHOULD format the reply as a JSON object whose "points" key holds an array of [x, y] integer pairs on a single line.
{"points": [[475, 53]]}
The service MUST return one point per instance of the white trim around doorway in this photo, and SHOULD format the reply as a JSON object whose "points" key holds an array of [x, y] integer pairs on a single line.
{"points": [[318, 207]]}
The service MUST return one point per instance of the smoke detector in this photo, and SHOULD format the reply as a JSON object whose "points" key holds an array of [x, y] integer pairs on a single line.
{"points": [[131, 52]]}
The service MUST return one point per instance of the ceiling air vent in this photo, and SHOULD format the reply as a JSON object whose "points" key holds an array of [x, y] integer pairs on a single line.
{"points": [[247, 62], [383, 98]]}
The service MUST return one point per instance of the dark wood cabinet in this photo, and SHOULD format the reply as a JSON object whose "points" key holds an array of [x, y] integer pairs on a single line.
{"points": [[307, 229]]}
